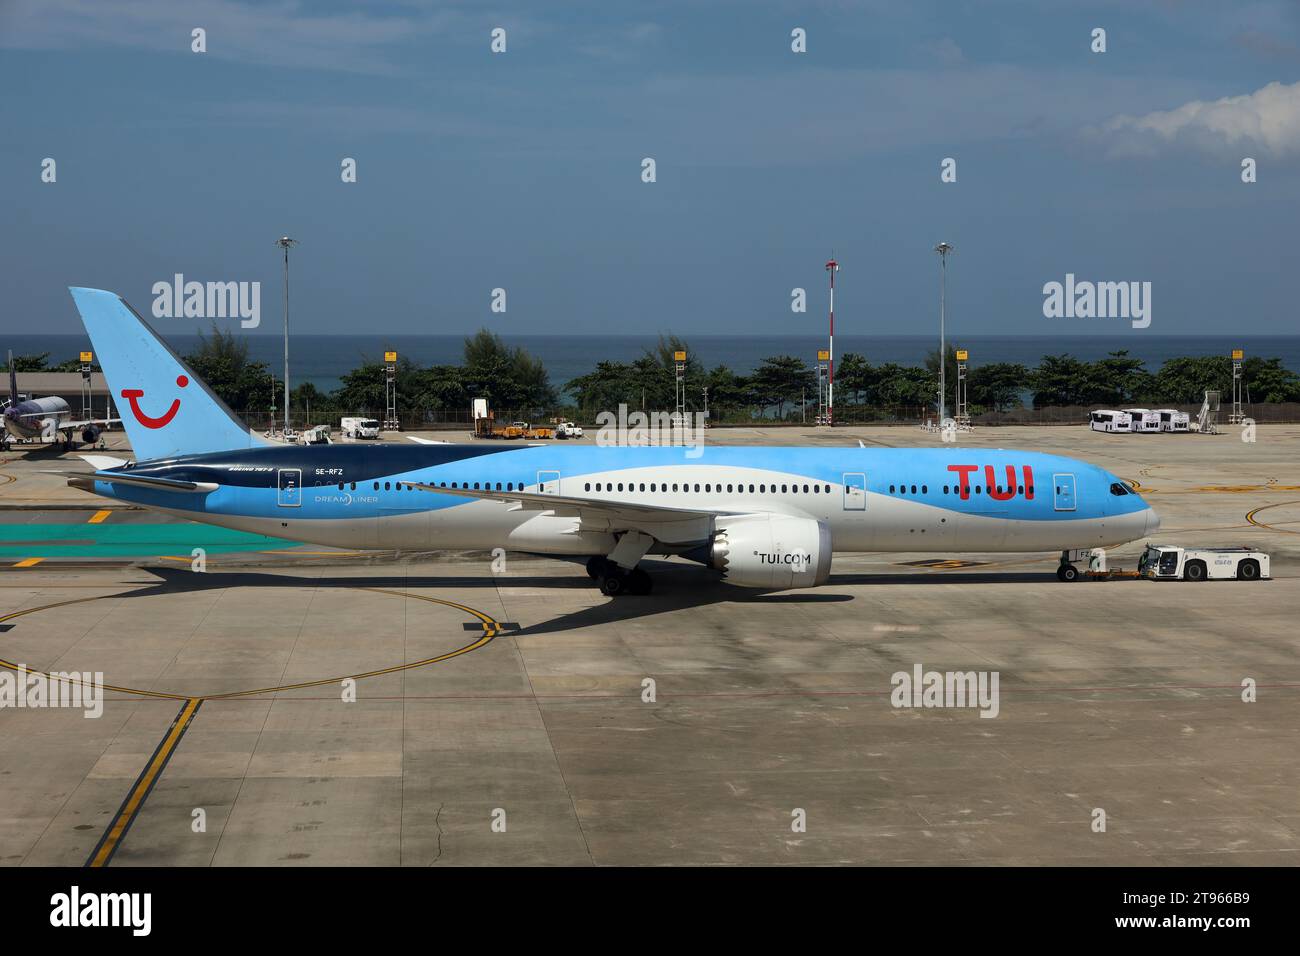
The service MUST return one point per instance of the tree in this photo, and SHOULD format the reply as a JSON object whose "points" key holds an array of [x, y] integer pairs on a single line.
{"points": [[1060, 380], [781, 379], [998, 385], [29, 363], [507, 377], [854, 377], [1118, 380], [905, 385], [1267, 381], [1183, 381], [221, 360], [728, 392]]}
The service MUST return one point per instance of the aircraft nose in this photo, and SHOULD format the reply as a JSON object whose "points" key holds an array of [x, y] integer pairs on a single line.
{"points": [[1153, 522]]}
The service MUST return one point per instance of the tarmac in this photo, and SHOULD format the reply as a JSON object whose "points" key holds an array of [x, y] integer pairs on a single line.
{"points": [[293, 705]]}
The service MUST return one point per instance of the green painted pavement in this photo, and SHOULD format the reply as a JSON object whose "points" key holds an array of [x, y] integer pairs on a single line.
{"points": [[126, 540]]}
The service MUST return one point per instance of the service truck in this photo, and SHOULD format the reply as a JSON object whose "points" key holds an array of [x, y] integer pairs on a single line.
{"points": [[1166, 562], [360, 428]]}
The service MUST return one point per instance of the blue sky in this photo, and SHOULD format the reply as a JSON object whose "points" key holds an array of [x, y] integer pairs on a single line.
{"points": [[522, 170]]}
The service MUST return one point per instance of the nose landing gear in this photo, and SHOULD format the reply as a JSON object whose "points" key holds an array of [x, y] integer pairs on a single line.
{"points": [[1067, 572]]}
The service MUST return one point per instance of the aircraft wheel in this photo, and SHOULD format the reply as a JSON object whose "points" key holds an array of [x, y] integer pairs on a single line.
{"points": [[638, 582], [1067, 572], [595, 566], [613, 585]]}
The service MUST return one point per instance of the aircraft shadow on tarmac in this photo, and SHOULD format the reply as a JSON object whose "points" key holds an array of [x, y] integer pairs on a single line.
{"points": [[678, 588]]}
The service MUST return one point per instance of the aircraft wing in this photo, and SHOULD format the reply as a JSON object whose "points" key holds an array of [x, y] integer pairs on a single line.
{"points": [[89, 421], [84, 480], [669, 524]]}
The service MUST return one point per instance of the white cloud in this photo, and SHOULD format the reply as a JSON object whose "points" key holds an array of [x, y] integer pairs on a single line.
{"points": [[1266, 120]]}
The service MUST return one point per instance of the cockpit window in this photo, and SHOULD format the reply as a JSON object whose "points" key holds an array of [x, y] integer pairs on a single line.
{"points": [[1119, 488]]}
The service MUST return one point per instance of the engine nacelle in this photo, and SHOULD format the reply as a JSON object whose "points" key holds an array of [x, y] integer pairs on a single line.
{"points": [[772, 551], [90, 434]]}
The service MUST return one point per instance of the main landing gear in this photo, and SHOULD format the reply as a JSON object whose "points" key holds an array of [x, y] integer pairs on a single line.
{"points": [[615, 581]]}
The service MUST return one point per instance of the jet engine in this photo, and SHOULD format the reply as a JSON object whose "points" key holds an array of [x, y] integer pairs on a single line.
{"points": [[90, 434], [771, 551]]}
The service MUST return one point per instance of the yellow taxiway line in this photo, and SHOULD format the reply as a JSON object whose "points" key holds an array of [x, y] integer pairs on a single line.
{"points": [[134, 801]]}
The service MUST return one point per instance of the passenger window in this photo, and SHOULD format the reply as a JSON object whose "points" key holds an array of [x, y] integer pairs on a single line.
{"points": [[925, 490]]}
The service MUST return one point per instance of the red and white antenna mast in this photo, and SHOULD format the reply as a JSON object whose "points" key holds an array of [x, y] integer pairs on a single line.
{"points": [[832, 267]]}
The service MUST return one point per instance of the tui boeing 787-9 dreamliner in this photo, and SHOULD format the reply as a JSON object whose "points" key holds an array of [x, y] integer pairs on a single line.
{"points": [[765, 517]]}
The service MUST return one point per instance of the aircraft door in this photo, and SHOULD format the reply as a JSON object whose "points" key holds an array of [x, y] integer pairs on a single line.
{"points": [[548, 482], [1063, 490], [289, 482], [855, 491]]}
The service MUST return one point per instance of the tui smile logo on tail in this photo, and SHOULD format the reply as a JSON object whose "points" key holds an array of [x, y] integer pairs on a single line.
{"points": [[133, 394]]}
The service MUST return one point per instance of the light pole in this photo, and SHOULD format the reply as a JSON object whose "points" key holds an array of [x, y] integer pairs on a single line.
{"points": [[943, 249], [832, 267], [286, 243]]}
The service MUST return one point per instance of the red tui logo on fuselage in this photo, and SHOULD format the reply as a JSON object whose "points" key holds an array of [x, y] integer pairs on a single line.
{"points": [[1003, 492]]}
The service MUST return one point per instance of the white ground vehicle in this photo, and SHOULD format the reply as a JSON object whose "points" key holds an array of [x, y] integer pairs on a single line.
{"points": [[1172, 420], [360, 428], [320, 435], [1143, 419], [1109, 420], [567, 430], [1162, 562]]}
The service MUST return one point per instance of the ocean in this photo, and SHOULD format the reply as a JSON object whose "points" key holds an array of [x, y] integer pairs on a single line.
{"points": [[323, 359]]}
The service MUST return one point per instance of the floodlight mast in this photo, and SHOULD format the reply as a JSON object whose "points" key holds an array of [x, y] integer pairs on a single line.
{"points": [[286, 243], [943, 249], [832, 267]]}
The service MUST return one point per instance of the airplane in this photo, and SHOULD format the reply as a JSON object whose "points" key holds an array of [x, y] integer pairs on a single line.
{"points": [[40, 419], [765, 517]]}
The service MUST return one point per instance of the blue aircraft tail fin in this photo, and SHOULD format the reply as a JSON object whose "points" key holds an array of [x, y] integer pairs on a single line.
{"points": [[166, 408]]}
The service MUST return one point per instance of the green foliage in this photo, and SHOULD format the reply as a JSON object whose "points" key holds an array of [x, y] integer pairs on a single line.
{"points": [[29, 363], [782, 380], [997, 386], [249, 388]]}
